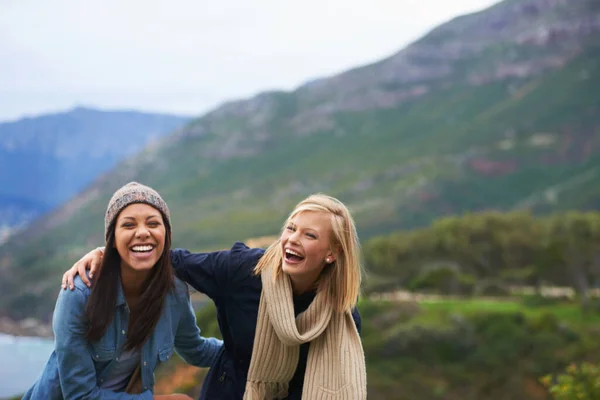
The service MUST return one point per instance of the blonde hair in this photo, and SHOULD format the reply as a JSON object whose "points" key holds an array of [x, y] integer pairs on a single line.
{"points": [[341, 281]]}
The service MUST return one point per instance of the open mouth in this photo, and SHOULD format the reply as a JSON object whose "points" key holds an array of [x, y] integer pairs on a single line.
{"points": [[142, 248], [292, 256]]}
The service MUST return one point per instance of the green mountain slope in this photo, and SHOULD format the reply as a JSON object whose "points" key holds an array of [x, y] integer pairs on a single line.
{"points": [[497, 109]]}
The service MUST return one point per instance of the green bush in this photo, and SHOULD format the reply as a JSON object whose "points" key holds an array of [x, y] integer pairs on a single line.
{"points": [[536, 300], [444, 280], [431, 345], [575, 383], [491, 287], [206, 319]]}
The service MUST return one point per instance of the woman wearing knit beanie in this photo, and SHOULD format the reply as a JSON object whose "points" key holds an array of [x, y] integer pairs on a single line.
{"points": [[109, 338], [287, 314]]}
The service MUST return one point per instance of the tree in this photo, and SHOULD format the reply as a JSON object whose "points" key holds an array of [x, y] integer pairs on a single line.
{"points": [[574, 240]]}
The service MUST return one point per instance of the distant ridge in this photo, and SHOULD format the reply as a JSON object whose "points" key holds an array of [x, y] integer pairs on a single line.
{"points": [[47, 159]]}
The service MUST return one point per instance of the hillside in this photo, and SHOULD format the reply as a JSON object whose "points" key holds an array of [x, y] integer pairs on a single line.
{"points": [[468, 349], [45, 160], [497, 109]]}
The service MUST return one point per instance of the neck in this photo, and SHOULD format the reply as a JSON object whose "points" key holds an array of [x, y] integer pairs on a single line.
{"points": [[301, 285], [133, 284]]}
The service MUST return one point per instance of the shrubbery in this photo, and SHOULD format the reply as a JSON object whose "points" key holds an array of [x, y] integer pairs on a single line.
{"points": [[467, 354], [491, 251], [577, 382]]}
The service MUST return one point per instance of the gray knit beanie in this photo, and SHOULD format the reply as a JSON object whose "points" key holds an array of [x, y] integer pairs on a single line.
{"points": [[133, 192]]}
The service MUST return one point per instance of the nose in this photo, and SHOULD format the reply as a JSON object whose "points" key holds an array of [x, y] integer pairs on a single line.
{"points": [[294, 237], [142, 231]]}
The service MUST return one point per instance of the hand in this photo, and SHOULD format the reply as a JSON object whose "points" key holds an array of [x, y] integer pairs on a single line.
{"points": [[174, 396], [91, 261]]}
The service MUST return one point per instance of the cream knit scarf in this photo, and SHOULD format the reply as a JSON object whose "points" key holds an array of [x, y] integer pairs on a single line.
{"points": [[336, 363]]}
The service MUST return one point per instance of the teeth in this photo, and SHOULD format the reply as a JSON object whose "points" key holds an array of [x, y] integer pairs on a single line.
{"points": [[293, 253], [142, 248]]}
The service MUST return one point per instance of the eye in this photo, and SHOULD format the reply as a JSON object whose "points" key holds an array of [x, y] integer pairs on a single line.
{"points": [[153, 224], [311, 235], [128, 225], [290, 228]]}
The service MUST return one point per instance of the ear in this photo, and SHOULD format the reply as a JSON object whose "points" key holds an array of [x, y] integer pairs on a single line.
{"points": [[330, 258]]}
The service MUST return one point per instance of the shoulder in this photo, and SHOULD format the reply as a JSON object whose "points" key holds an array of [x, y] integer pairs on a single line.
{"points": [[71, 303], [180, 291], [80, 288], [246, 254], [243, 262]]}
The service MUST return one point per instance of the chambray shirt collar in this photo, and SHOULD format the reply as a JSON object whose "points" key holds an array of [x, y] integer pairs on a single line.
{"points": [[120, 294]]}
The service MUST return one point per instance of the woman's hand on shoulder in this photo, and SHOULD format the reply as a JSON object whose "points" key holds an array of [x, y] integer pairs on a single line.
{"points": [[91, 261]]}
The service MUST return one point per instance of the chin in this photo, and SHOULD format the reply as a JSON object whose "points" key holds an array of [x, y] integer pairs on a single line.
{"points": [[141, 267], [288, 268], [144, 268]]}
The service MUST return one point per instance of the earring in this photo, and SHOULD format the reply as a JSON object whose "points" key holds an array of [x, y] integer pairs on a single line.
{"points": [[328, 260]]}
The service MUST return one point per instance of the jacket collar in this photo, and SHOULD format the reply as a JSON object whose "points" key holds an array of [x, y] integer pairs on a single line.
{"points": [[120, 294]]}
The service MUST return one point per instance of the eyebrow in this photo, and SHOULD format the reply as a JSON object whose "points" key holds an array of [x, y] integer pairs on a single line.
{"points": [[306, 229], [148, 217]]}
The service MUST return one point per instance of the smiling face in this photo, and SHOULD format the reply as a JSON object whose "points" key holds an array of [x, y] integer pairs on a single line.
{"points": [[139, 237], [306, 246]]}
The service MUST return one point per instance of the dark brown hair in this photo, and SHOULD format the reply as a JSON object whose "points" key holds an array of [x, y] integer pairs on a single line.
{"points": [[101, 303]]}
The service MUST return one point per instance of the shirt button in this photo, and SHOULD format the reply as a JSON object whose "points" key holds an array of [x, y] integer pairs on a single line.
{"points": [[101, 380], [123, 332], [97, 356], [144, 363], [117, 358]]}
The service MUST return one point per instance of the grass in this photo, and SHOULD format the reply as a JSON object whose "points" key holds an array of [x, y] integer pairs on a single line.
{"points": [[440, 313], [571, 313]]}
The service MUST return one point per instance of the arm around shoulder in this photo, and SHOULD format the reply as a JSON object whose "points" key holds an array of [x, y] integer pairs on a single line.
{"points": [[209, 273]]}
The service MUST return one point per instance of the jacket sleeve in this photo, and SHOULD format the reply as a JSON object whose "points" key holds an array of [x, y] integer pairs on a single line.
{"points": [[193, 348], [357, 319], [75, 365], [209, 273]]}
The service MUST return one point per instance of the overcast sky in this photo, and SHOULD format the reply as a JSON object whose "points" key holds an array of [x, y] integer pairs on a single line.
{"points": [[187, 56]]}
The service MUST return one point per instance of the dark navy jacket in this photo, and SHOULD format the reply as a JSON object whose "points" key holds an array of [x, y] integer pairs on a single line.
{"points": [[226, 277]]}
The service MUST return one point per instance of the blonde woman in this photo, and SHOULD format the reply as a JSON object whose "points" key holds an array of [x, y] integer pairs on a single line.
{"points": [[287, 314]]}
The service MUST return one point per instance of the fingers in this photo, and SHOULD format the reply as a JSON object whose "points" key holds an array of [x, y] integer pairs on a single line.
{"points": [[64, 281], [95, 263], [92, 261], [71, 277], [81, 271], [68, 277], [94, 266]]}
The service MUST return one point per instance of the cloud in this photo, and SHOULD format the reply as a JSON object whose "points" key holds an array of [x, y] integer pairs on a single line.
{"points": [[186, 56]]}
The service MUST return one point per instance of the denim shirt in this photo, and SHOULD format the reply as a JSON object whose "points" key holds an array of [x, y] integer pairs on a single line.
{"points": [[77, 368]]}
